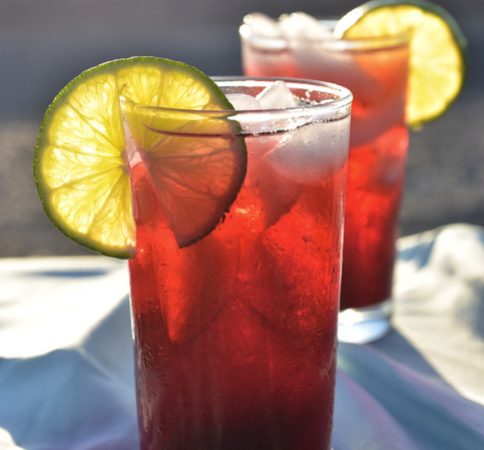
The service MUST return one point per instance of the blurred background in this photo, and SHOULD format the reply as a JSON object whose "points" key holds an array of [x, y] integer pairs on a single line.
{"points": [[44, 44]]}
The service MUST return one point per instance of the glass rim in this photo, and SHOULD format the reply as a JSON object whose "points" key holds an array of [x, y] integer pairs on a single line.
{"points": [[333, 104], [334, 43], [253, 122]]}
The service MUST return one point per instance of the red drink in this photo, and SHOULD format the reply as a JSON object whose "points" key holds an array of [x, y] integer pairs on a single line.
{"points": [[236, 334], [376, 73]]}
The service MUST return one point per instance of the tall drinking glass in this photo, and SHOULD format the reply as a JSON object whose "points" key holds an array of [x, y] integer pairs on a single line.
{"points": [[375, 70], [235, 333]]}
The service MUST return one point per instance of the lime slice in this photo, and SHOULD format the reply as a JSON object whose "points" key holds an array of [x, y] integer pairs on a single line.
{"points": [[437, 63], [81, 166]]}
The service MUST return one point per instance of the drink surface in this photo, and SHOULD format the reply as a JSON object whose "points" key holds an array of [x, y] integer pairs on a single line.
{"points": [[377, 78], [236, 334]]}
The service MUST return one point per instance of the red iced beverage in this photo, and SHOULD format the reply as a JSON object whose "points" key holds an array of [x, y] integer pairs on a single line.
{"points": [[375, 70], [235, 333]]}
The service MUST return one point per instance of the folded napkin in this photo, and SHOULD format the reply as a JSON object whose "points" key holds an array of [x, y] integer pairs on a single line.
{"points": [[66, 365]]}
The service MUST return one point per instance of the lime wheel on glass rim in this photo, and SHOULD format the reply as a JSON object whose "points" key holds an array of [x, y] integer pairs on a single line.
{"points": [[437, 50], [80, 162]]}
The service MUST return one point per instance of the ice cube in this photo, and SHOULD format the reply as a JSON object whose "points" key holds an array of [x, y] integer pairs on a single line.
{"points": [[263, 25], [312, 152], [277, 95], [244, 102], [249, 121], [278, 194], [320, 56], [300, 25]]}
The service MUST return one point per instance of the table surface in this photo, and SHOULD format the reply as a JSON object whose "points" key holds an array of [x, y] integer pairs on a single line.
{"points": [[66, 368]]}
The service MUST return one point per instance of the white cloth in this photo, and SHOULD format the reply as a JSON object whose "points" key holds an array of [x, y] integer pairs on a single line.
{"points": [[66, 367]]}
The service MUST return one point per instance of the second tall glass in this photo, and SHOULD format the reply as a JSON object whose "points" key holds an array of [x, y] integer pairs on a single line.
{"points": [[376, 71]]}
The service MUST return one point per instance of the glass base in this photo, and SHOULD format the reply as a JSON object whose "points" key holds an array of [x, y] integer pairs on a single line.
{"points": [[364, 325]]}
